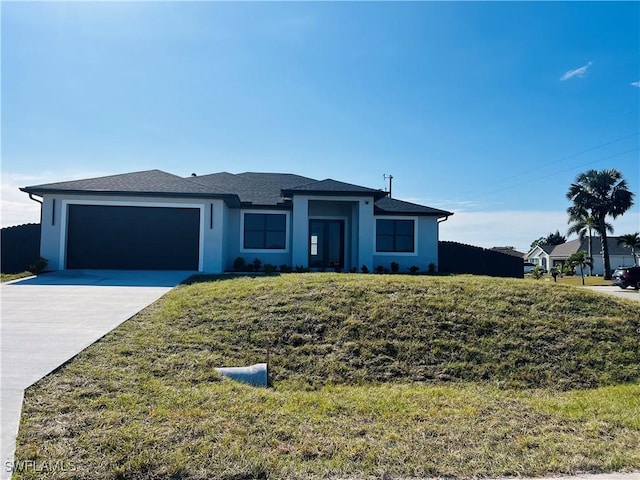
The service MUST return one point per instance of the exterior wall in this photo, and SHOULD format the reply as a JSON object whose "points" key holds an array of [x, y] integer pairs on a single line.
{"points": [[426, 246], [329, 209], [234, 239], [358, 215], [598, 262], [615, 261], [54, 224], [539, 257]]}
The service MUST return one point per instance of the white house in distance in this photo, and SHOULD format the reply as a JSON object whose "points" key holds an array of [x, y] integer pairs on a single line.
{"points": [[153, 220], [549, 256]]}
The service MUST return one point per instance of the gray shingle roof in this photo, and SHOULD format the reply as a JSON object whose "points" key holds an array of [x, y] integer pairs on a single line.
{"points": [[569, 248], [282, 180], [392, 206], [148, 182], [249, 189], [330, 186]]}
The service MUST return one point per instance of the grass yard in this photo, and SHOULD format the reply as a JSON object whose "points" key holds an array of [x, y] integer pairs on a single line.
{"points": [[374, 376], [573, 280], [7, 277]]}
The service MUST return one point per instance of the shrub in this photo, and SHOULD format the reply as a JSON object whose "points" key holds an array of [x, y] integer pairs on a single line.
{"points": [[256, 264], [413, 269], [395, 267], [431, 269], [379, 269], [353, 270], [301, 269], [284, 268], [337, 269], [537, 272], [364, 269], [239, 264], [39, 266], [269, 268]]}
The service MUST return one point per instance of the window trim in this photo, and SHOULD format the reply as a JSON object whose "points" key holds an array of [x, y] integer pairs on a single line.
{"points": [[287, 231], [415, 235]]}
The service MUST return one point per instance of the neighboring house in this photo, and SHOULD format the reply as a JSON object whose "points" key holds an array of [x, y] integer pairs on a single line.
{"points": [[153, 220], [549, 256]]}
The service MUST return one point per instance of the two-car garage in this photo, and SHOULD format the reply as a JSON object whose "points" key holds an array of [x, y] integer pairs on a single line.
{"points": [[125, 237]]}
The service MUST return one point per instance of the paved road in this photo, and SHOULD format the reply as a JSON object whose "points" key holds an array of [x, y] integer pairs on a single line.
{"points": [[47, 320], [628, 293]]}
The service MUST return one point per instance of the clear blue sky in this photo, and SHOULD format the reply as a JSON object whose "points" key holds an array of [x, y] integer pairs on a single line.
{"points": [[486, 109]]}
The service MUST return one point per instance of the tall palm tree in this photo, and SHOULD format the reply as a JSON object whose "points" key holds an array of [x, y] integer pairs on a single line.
{"points": [[632, 241], [602, 194], [583, 225]]}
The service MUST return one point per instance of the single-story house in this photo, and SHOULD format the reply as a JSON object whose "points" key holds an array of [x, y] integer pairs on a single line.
{"points": [[153, 220], [549, 256]]}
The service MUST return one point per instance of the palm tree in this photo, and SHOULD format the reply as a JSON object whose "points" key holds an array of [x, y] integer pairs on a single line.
{"points": [[632, 241], [602, 194], [583, 225], [579, 259]]}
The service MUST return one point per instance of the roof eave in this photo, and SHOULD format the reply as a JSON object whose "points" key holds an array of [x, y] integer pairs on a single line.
{"points": [[230, 199], [437, 213], [377, 195]]}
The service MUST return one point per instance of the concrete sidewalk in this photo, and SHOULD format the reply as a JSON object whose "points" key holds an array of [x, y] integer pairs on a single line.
{"points": [[47, 320]]}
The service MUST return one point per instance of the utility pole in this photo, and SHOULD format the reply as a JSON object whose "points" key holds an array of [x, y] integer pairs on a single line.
{"points": [[390, 177]]}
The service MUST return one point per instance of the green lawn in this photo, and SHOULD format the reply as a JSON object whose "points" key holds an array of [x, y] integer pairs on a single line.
{"points": [[573, 280], [374, 376], [7, 277]]}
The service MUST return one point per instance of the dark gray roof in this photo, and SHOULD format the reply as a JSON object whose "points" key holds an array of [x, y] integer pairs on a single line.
{"points": [[569, 248], [145, 182], [282, 180], [257, 189], [332, 187], [392, 206], [247, 188], [546, 247]]}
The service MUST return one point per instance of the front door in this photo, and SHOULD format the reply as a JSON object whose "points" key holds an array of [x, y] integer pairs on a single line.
{"points": [[326, 248]]}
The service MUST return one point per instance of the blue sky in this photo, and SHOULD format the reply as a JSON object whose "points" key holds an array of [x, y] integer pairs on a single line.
{"points": [[489, 110]]}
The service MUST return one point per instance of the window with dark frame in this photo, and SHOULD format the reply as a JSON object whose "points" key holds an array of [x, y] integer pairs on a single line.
{"points": [[265, 231], [395, 235]]}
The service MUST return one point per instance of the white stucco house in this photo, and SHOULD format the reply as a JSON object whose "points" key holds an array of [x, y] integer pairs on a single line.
{"points": [[549, 256], [153, 220]]}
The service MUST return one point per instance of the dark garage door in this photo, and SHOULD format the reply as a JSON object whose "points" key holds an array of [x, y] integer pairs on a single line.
{"points": [[132, 238]]}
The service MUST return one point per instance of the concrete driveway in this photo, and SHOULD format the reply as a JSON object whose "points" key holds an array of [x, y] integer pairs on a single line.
{"points": [[47, 320], [628, 293]]}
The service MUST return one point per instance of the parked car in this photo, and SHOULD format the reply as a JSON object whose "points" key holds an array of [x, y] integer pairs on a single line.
{"points": [[624, 277]]}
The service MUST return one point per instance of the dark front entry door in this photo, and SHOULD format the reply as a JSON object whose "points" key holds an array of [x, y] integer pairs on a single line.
{"points": [[326, 248]]}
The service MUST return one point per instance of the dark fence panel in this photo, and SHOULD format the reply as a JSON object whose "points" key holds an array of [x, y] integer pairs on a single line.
{"points": [[20, 247], [456, 257]]}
